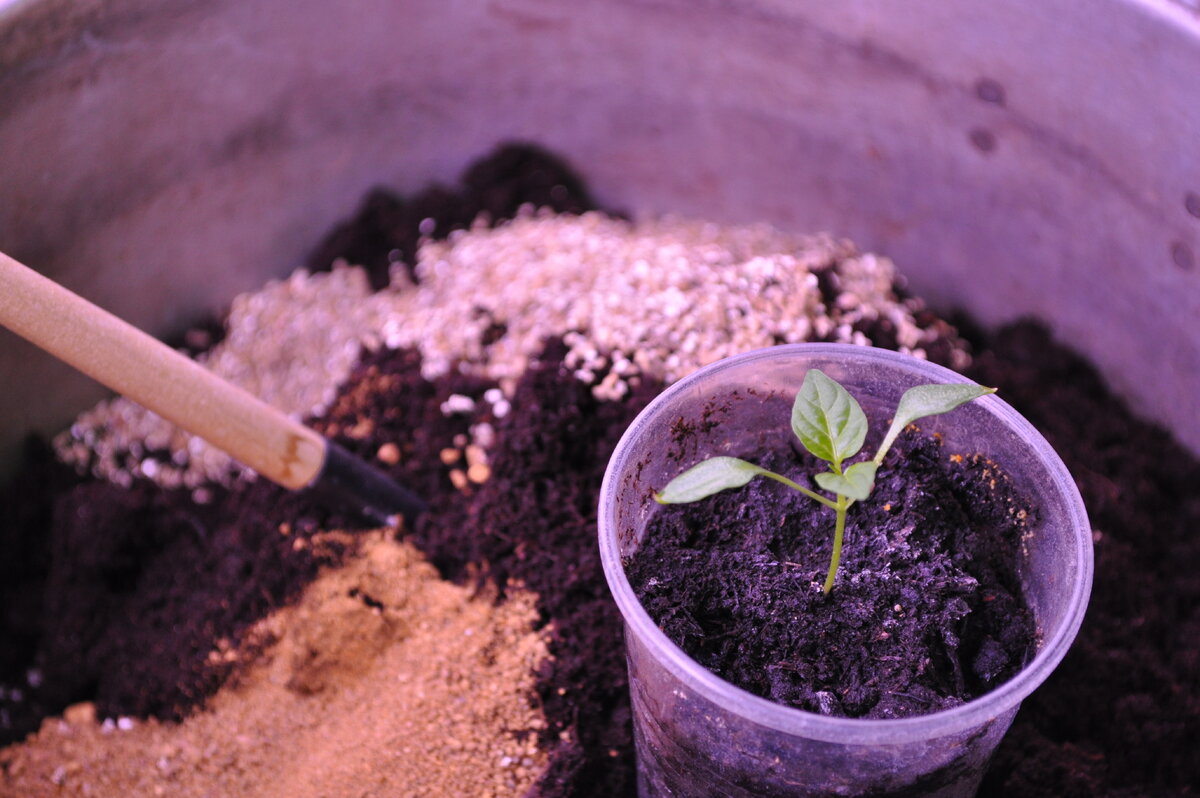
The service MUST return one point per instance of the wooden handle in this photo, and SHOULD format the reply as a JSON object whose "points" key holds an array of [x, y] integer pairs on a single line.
{"points": [[157, 377]]}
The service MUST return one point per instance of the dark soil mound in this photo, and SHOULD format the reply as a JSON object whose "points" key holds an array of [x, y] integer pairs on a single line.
{"points": [[1121, 714], [926, 613], [387, 227]]}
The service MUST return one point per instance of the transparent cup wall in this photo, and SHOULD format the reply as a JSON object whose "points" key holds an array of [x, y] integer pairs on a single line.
{"points": [[697, 735]]}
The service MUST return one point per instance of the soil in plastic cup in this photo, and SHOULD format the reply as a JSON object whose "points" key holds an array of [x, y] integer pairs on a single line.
{"points": [[697, 735]]}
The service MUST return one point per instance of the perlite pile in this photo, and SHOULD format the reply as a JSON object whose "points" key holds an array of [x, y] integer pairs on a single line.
{"points": [[657, 297]]}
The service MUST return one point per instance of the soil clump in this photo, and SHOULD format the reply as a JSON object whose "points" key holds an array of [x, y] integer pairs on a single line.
{"points": [[925, 615]]}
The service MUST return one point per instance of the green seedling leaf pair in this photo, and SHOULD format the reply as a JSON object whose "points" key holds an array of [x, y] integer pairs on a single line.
{"points": [[832, 426]]}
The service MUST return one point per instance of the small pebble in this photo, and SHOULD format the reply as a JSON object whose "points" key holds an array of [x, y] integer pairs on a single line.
{"points": [[484, 434], [81, 714], [476, 455], [457, 403], [388, 453]]}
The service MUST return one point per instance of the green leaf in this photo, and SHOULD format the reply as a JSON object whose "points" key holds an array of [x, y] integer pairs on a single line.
{"points": [[928, 400], [706, 478], [827, 419], [856, 482]]}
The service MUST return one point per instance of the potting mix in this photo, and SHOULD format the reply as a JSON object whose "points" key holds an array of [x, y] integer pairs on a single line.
{"points": [[173, 626]]}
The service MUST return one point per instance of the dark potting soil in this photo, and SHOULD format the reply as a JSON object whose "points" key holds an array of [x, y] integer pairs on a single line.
{"points": [[387, 228], [926, 613], [534, 523], [1120, 717]]}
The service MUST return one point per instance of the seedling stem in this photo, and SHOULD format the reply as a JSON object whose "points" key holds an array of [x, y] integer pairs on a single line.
{"points": [[832, 426]]}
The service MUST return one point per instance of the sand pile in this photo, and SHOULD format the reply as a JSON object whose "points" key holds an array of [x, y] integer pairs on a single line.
{"points": [[382, 680]]}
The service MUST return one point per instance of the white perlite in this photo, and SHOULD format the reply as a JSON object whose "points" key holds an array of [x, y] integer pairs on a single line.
{"points": [[291, 344], [660, 297]]}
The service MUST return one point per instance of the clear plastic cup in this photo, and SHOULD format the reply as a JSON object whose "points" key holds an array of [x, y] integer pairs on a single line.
{"points": [[697, 735]]}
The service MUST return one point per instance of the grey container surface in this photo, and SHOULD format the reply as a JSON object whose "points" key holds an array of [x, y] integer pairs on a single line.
{"points": [[1037, 157]]}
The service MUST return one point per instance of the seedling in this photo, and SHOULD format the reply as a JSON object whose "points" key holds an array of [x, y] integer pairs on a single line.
{"points": [[832, 426]]}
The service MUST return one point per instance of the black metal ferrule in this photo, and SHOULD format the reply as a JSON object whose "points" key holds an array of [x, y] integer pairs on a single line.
{"points": [[366, 488]]}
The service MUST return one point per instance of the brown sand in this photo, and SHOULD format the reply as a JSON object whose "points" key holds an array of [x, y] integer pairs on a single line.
{"points": [[383, 680]]}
